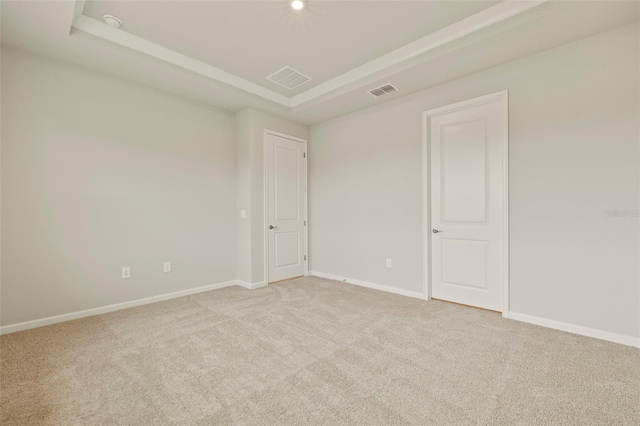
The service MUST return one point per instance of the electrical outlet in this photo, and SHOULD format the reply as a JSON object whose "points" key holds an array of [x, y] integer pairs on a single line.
{"points": [[389, 263], [166, 267], [126, 272]]}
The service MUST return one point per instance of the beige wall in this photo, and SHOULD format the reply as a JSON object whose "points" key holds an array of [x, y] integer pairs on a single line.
{"points": [[250, 186], [97, 174], [574, 145], [243, 195]]}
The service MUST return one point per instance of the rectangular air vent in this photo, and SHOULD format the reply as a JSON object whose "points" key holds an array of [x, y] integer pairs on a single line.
{"points": [[383, 90], [288, 77]]}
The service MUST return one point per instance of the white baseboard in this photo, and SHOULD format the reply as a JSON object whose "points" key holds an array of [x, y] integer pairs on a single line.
{"points": [[369, 285], [251, 286], [6, 329], [576, 329], [556, 325]]}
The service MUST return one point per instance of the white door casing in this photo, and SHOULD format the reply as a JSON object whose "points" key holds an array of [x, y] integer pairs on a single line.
{"points": [[285, 206], [467, 154]]}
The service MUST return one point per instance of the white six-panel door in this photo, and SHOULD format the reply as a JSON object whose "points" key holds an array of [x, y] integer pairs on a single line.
{"points": [[286, 204], [467, 204]]}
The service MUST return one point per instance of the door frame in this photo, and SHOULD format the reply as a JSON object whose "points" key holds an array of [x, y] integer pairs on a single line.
{"points": [[503, 98], [265, 194]]}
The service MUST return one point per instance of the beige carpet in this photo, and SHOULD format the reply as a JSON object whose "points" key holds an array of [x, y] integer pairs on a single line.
{"points": [[312, 351]]}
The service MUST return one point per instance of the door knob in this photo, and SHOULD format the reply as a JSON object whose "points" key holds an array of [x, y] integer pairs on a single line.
{"points": [[272, 227], [435, 231]]}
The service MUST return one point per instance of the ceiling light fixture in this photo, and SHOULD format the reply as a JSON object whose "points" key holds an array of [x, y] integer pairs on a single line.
{"points": [[112, 21], [297, 4]]}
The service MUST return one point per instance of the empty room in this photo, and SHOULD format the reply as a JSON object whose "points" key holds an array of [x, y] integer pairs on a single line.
{"points": [[316, 212]]}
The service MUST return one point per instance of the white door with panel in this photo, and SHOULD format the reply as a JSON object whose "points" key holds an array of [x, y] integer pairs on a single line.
{"points": [[468, 173], [286, 207]]}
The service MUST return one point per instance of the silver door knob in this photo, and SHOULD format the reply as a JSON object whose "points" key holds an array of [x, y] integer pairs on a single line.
{"points": [[272, 227], [435, 231]]}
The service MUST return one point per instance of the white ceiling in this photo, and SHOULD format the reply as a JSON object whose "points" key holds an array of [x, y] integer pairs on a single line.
{"points": [[253, 39], [220, 53], [538, 30]]}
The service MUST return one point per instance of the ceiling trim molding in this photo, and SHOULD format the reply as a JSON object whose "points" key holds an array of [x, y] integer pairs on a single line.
{"points": [[462, 28], [375, 68], [78, 8], [123, 38]]}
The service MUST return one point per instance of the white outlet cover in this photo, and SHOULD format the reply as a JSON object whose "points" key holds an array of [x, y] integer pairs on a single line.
{"points": [[166, 267], [389, 263], [126, 272]]}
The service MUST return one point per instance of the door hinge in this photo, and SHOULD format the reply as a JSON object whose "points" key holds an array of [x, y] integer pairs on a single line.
{"points": [[305, 223], [305, 257], [304, 155]]}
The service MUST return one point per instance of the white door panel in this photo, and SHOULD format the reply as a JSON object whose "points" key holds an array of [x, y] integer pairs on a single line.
{"points": [[463, 172], [466, 151], [286, 181], [287, 248], [472, 254]]}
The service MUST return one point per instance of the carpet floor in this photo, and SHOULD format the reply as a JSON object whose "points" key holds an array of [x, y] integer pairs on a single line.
{"points": [[312, 351]]}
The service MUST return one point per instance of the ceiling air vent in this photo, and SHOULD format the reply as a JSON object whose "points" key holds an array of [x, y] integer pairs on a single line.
{"points": [[288, 77], [383, 90]]}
